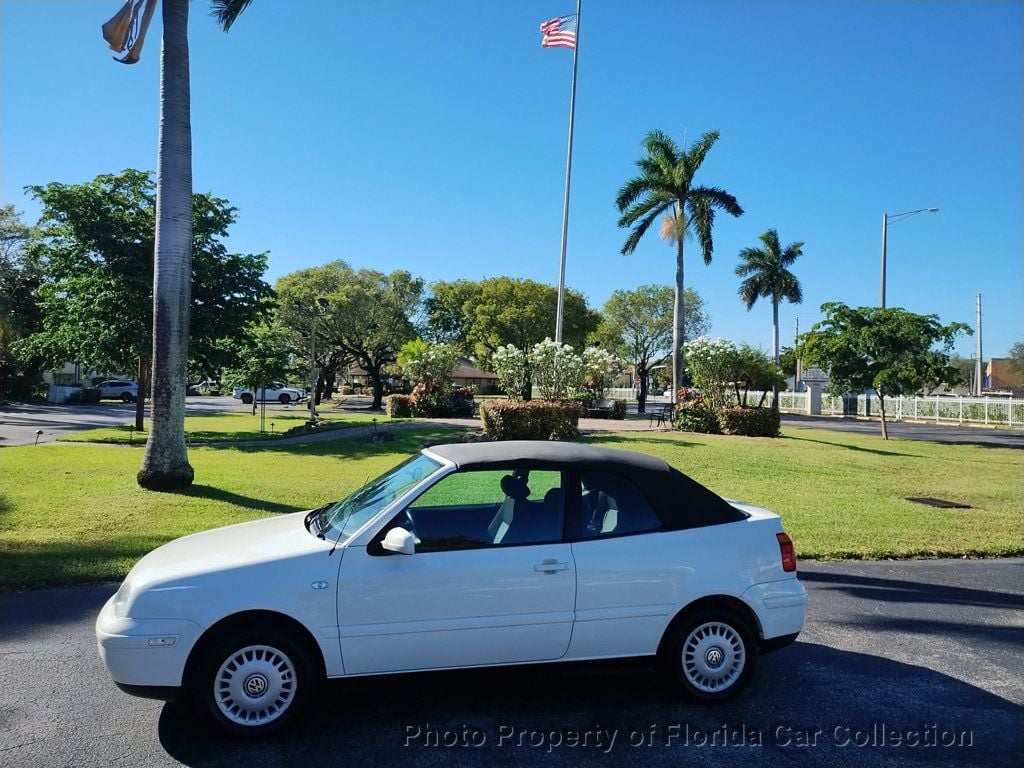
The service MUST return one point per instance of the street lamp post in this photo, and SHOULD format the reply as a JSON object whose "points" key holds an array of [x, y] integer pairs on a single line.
{"points": [[894, 217], [318, 309]]}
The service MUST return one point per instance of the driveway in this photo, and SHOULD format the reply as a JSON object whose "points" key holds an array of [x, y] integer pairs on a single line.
{"points": [[901, 664], [19, 421]]}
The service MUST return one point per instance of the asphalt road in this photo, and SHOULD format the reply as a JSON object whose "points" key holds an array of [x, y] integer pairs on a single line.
{"points": [[927, 651], [19, 421], [939, 433]]}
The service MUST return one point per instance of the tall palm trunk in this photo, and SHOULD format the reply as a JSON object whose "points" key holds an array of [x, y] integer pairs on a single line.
{"points": [[678, 310], [165, 465], [775, 348]]}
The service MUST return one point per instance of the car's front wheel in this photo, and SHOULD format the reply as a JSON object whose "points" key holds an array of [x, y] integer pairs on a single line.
{"points": [[253, 682], [126, 397], [710, 655]]}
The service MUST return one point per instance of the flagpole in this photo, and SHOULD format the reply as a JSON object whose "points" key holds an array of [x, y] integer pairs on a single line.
{"points": [[568, 176]]}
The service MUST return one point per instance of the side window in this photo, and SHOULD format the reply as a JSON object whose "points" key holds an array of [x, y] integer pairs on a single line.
{"points": [[613, 506], [471, 510]]}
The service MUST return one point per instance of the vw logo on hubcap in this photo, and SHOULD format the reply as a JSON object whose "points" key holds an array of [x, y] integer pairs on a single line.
{"points": [[714, 657], [255, 685]]}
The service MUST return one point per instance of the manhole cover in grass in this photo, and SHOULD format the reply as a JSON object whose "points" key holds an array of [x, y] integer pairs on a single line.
{"points": [[944, 503]]}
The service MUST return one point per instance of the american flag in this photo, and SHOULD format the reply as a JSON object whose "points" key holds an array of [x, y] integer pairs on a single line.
{"points": [[559, 33]]}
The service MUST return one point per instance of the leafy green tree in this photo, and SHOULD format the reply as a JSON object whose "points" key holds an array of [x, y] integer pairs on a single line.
{"points": [[965, 365], [1017, 357], [787, 361], [767, 276], [637, 325], [367, 315], [165, 463], [665, 187], [890, 351], [521, 312], [754, 369], [19, 310], [447, 319], [94, 254], [264, 355]]}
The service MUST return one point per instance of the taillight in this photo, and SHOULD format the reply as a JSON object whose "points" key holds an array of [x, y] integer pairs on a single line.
{"points": [[787, 552]]}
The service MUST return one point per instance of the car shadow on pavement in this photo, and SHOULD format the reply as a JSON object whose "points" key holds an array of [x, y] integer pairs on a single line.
{"points": [[807, 705], [875, 589]]}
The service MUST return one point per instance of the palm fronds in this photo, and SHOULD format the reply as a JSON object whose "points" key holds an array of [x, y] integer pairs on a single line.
{"points": [[227, 11], [767, 273]]}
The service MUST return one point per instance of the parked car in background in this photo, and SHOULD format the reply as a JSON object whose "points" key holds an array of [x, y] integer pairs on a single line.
{"points": [[466, 555], [205, 387], [118, 389], [279, 392]]}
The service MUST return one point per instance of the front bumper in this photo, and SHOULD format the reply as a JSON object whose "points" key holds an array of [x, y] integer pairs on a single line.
{"points": [[144, 652], [780, 606]]}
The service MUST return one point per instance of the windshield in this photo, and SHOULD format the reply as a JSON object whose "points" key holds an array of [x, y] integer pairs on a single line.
{"points": [[349, 515]]}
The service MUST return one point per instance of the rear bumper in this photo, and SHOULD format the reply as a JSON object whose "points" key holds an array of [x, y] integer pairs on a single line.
{"points": [[781, 609]]}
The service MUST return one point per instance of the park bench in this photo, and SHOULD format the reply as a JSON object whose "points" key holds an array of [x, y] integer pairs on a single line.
{"points": [[665, 414]]}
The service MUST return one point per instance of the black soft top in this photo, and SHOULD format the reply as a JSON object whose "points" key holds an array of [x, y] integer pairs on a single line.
{"points": [[680, 501]]}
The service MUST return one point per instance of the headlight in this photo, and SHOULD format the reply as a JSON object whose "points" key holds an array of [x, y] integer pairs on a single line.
{"points": [[121, 600]]}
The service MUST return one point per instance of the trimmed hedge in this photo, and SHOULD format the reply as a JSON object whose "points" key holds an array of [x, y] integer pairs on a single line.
{"points": [[398, 406], [751, 422], [84, 396], [535, 420], [619, 409], [691, 417]]}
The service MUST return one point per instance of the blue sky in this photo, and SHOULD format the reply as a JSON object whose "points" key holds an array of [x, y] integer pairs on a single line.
{"points": [[430, 136]]}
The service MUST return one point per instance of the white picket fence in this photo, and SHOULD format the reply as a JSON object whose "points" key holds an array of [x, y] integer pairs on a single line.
{"points": [[993, 411]]}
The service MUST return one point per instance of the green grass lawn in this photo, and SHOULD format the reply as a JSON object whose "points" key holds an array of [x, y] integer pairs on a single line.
{"points": [[217, 427], [73, 513]]}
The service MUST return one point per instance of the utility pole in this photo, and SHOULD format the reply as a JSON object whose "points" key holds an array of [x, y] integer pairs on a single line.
{"points": [[799, 362], [978, 376]]}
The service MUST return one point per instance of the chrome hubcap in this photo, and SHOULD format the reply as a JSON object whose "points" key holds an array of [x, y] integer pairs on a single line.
{"points": [[713, 656], [255, 685]]}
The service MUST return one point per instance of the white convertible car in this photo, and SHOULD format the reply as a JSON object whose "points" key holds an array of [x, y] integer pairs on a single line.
{"points": [[466, 555]]}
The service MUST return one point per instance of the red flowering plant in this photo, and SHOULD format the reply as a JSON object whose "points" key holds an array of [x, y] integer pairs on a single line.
{"points": [[694, 413]]}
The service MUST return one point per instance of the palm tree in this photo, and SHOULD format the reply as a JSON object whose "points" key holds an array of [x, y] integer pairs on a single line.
{"points": [[165, 464], [665, 186], [767, 276]]}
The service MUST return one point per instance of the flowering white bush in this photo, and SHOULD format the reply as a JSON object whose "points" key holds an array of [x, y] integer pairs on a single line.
{"points": [[510, 363], [557, 369], [711, 364], [424, 363], [600, 366]]}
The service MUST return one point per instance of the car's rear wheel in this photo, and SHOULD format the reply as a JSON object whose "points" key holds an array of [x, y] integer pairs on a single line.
{"points": [[247, 398], [710, 655], [253, 682], [284, 398], [126, 397]]}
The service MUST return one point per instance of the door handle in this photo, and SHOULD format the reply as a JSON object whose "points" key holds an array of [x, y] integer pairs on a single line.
{"points": [[550, 566]]}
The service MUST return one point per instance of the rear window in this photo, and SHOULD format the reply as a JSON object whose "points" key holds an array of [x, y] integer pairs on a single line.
{"points": [[613, 506]]}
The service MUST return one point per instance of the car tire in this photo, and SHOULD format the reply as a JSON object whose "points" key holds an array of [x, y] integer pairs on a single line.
{"points": [[126, 397], [247, 398], [253, 682], [284, 398], [710, 655]]}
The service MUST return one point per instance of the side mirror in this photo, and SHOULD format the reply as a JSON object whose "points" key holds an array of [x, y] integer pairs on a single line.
{"points": [[399, 540]]}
